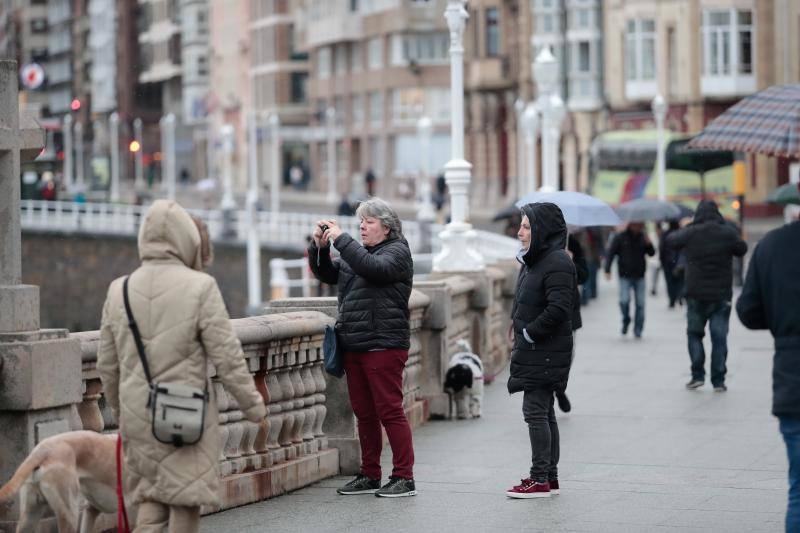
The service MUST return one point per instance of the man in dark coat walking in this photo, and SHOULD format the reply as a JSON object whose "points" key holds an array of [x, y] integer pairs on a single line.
{"points": [[769, 301], [542, 345], [631, 246], [709, 245]]}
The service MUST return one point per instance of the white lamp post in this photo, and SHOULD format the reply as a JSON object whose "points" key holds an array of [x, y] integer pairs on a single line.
{"points": [[425, 212], [67, 129], [545, 70], [138, 182], [659, 107], [253, 242], [275, 175], [167, 124], [330, 121], [113, 127], [517, 189], [458, 252], [531, 122], [228, 203], [79, 154]]}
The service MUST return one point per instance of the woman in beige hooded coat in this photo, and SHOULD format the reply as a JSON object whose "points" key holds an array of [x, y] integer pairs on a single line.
{"points": [[184, 325]]}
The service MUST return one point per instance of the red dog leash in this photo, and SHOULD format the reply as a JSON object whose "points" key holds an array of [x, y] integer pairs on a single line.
{"points": [[122, 515]]}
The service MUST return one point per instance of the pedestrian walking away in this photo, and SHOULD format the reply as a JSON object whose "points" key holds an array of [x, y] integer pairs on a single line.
{"points": [[374, 280], [631, 246], [709, 245], [769, 301], [183, 325], [669, 256], [542, 339]]}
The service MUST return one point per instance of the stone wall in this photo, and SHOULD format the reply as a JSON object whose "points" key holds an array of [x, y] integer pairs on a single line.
{"points": [[73, 273]]}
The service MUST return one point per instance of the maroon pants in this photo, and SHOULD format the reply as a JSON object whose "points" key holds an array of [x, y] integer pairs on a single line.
{"points": [[375, 385]]}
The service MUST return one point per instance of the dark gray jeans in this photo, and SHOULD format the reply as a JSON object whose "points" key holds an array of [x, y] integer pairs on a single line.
{"points": [[537, 409]]}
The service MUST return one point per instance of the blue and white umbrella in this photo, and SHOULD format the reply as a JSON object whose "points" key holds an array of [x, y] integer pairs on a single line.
{"points": [[579, 209]]}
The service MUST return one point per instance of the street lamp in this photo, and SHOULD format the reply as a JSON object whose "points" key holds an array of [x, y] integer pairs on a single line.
{"points": [[330, 121], [138, 182], [458, 252], [167, 124], [545, 70], [531, 122], [67, 129], [659, 107], [519, 108], [425, 211], [253, 241]]}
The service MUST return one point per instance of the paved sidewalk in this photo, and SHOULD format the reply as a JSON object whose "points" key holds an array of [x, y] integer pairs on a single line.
{"points": [[639, 452]]}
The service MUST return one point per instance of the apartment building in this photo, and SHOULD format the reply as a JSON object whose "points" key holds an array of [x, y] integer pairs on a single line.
{"points": [[702, 56]]}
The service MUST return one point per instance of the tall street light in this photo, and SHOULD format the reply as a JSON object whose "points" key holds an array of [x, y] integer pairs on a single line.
{"points": [[330, 121], [531, 122], [458, 252], [253, 241], [519, 186], [659, 107], [545, 71], [113, 128]]}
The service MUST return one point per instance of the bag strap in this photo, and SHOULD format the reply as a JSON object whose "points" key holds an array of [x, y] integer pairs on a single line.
{"points": [[135, 330]]}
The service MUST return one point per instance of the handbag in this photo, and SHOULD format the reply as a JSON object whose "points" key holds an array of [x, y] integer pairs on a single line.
{"points": [[333, 356], [177, 411]]}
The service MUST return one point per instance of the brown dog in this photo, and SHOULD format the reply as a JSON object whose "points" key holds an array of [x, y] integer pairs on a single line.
{"points": [[57, 472]]}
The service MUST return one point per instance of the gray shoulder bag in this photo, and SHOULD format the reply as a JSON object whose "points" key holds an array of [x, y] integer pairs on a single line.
{"points": [[177, 411]]}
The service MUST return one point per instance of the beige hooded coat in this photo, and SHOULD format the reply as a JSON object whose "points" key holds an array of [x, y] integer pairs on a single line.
{"points": [[184, 325]]}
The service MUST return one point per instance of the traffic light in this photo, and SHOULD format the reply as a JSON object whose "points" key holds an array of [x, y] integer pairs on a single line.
{"points": [[75, 105], [134, 146]]}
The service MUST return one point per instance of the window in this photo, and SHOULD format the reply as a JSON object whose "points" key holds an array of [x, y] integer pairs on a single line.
{"points": [[324, 63], [299, 87], [375, 108], [727, 42], [202, 22], [39, 25], [375, 53], [202, 66], [340, 60], [409, 104], [492, 32], [640, 50], [422, 48], [356, 57], [358, 110]]}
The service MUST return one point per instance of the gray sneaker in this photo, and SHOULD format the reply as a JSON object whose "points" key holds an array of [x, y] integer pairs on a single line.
{"points": [[694, 384], [720, 388], [360, 484], [397, 488]]}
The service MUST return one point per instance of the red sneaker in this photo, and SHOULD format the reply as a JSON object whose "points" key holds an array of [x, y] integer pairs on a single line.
{"points": [[530, 489], [554, 487]]}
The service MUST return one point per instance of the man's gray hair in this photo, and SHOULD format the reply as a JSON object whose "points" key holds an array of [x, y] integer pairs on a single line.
{"points": [[380, 209]]}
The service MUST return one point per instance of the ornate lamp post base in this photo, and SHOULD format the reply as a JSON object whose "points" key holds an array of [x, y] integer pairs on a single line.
{"points": [[458, 253]]}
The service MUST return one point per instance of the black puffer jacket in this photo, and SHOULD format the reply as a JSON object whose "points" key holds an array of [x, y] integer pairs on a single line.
{"points": [[543, 305], [709, 245], [374, 287], [582, 272]]}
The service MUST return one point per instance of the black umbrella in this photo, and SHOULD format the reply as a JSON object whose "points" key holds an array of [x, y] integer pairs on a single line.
{"points": [[645, 210], [680, 157]]}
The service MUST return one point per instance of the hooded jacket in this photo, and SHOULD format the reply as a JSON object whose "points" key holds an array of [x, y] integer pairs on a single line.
{"points": [[543, 305], [631, 248], [374, 286], [709, 245], [184, 326]]}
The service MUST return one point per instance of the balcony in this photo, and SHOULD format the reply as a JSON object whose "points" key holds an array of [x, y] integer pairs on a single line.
{"points": [[340, 27], [489, 73], [727, 86], [641, 89]]}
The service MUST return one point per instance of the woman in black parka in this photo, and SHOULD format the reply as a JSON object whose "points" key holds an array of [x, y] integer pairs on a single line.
{"points": [[542, 349]]}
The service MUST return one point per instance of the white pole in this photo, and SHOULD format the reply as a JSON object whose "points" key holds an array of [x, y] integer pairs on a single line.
{"points": [[458, 252], [252, 152], [113, 127], [330, 117], [79, 154], [531, 120], [138, 182], [551, 141], [171, 161], [67, 132], [253, 242], [275, 181], [227, 134], [659, 107]]}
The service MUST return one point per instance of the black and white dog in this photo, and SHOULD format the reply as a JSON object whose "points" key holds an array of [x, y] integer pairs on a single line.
{"points": [[464, 382]]}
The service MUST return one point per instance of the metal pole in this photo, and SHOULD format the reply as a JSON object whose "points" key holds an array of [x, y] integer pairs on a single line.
{"points": [[228, 201], [275, 178], [169, 122], [253, 242], [138, 182], [458, 252], [531, 119], [68, 172], [113, 127], [79, 168], [518, 188], [330, 116], [659, 107]]}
